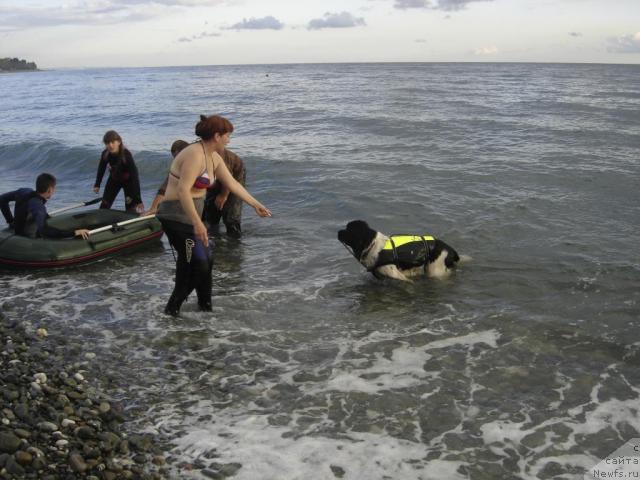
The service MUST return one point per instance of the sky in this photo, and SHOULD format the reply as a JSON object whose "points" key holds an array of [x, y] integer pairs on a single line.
{"points": [[145, 33]]}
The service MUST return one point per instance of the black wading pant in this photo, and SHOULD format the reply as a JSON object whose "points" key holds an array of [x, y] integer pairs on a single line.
{"points": [[193, 267], [111, 190]]}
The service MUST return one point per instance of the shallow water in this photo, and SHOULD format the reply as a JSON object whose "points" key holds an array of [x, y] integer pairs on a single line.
{"points": [[522, 364]]}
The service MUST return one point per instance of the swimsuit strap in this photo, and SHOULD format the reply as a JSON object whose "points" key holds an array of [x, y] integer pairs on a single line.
{"points": [[205, 161], [205, 156], [201, 173]]}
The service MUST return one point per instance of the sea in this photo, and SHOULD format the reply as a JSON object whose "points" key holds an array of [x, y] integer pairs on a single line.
{"points": [[524, 363]]}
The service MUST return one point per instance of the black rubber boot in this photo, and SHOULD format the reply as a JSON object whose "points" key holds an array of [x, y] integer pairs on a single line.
{"points": [[233, 230], [205, 306], [173, 306]]}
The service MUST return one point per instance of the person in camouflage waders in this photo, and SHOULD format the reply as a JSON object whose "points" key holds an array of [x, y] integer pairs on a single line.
{"points": [[220, 203]]}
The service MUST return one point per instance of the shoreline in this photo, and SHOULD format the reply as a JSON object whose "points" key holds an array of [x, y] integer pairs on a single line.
{"points": [[56, 421], [21, 71]]}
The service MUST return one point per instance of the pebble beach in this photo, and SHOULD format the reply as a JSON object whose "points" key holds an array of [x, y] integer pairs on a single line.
{"points": [[57, 421]]}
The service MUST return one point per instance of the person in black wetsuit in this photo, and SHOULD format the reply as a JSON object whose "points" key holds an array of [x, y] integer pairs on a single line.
{"points": [[123, 174], [30, 206], [194, 170]]}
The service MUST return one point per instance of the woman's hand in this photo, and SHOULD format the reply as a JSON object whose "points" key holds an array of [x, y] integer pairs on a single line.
{"points": [[96, 189], [200, 232], [262, 211]]}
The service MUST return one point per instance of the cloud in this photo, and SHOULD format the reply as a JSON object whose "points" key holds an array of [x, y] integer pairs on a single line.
{"points": [[486, 51], [171, 3], [189, 3], [96, 12], [625, 44], [265, 23], [405, 4], [456, 4], [336, 20], [575, 34], [448, 5], [198, 37]]}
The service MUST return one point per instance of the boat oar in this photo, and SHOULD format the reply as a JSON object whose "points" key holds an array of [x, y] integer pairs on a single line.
{"points": [[114, 226], [78, 205]]}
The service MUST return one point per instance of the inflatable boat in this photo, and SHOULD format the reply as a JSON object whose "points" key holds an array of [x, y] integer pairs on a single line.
{"points": [[112, 232]]}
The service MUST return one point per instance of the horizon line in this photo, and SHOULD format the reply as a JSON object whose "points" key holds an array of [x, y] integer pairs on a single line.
{"points": [[337, 63]]}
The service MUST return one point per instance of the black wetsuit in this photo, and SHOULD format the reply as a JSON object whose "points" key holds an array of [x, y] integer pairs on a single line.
{"points": [[30, 210], [123, 174], [194, 262]]}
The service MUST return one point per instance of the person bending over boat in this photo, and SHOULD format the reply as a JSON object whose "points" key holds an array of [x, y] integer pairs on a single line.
{"points": [[123, 174], [176, 148], [194, 170], [30, 206], [220, 202]]}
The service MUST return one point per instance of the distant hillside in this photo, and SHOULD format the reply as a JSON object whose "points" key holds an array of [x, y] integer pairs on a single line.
{"points": [[14, 64]]}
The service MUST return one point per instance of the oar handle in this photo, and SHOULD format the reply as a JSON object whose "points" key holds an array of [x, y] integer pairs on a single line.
{"points": [[120, 224], [77, 205]]}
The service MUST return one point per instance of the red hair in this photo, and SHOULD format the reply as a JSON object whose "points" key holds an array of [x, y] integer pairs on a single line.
{"points": [[207, 127]]}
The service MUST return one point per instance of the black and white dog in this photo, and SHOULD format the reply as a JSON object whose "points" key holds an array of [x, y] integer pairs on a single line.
{"points": [[397, 256]]}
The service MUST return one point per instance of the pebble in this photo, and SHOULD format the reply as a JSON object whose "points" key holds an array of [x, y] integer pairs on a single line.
{"points": [[77, 463], [47, 426], [36, 452], [9, 443], [62, 443], [67, 423], [85, 433], [8, 413], [23, 458], [14, 468], [22, 433], [22, 411]]}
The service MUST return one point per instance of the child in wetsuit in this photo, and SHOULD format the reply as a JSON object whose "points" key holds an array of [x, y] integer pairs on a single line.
{"points": [[123, 174]]}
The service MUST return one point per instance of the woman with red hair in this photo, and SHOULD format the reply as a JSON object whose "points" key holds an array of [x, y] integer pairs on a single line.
{"points": [[192, 172]]}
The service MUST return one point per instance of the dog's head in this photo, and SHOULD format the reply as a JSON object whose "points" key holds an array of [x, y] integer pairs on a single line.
{"points": [[358, 236]]}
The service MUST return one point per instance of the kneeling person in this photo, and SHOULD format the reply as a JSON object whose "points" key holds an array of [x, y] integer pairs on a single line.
{"points": [[30, 206]]}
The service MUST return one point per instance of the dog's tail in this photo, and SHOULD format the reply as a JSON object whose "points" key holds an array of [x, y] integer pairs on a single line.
{"points": [[465, 258]]}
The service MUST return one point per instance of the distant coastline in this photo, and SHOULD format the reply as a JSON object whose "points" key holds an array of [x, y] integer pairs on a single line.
{"points": [[16, 65]]}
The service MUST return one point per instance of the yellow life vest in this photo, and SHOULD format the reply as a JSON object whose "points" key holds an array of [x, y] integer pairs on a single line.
{"points": [[406, 251]]}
